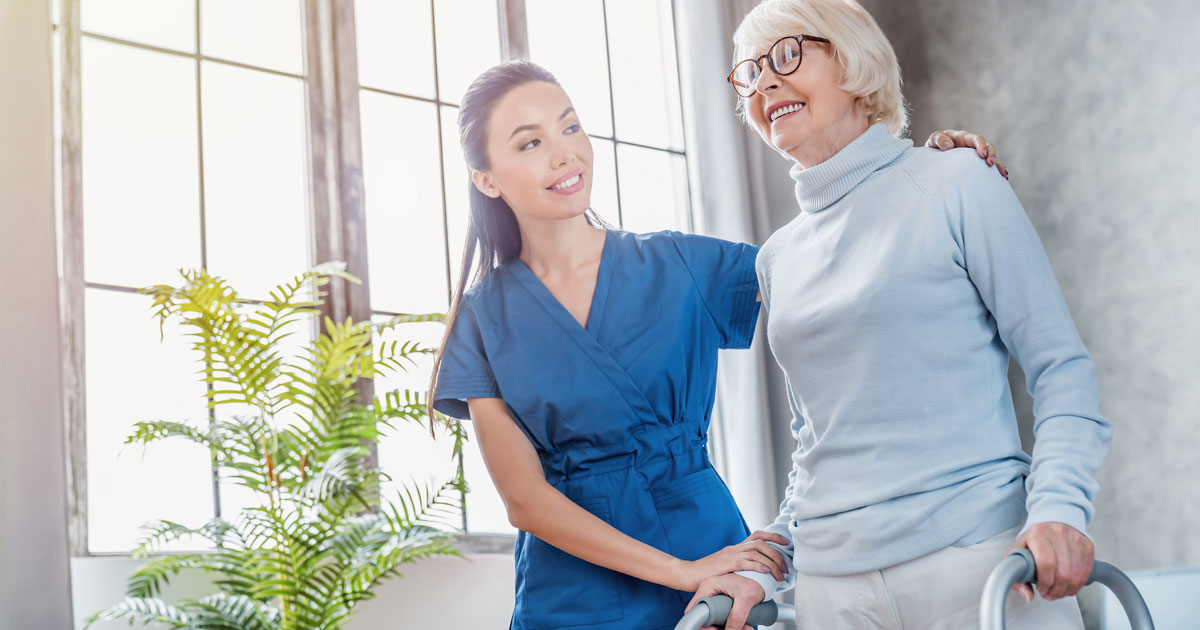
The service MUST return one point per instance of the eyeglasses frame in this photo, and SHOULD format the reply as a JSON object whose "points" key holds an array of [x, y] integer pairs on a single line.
{"points": [[800, 39]]}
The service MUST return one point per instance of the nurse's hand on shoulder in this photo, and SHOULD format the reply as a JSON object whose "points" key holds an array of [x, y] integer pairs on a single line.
{"points": [[746, 593], [752, 554], [952, 139], [1063, 557]]}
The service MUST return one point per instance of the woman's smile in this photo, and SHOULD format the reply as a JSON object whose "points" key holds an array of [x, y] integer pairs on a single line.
{"points": [[568, 184], [783, 109]]}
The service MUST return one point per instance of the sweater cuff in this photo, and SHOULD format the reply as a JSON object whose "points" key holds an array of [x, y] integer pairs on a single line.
{"points": [[1068, 514], [768, 583]]}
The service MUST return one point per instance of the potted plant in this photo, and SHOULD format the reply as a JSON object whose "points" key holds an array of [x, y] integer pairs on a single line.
{"points": [[320, 536]]}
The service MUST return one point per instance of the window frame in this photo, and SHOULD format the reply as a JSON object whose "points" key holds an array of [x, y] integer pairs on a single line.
{"points": [[336, 198]]}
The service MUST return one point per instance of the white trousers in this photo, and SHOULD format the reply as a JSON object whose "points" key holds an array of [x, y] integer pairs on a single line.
{"points": [[933, 592]]}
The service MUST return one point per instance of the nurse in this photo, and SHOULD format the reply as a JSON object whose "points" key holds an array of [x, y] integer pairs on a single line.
{"points": [[587, 359]]}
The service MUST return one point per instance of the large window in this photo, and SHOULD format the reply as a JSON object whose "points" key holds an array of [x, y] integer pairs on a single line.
{"points": [[192, 140], [203, 141]]}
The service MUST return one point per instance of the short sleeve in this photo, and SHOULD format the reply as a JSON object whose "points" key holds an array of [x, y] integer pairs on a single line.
{"points": [[464, 372], [724, 274]]}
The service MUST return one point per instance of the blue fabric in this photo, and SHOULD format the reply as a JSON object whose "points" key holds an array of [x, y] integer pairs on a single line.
{"points": [[618, 411]]}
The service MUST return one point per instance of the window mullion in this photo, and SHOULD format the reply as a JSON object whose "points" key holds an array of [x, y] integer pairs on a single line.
{"points": [[71, 289], [514, 35], [338, 216], [612, 110]]}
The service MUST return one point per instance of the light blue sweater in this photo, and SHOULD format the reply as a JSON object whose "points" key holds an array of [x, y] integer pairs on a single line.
{"points": [[895, 297]]}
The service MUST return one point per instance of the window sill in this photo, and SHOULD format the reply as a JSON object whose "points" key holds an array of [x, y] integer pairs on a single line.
{"points": [[469, 544]]}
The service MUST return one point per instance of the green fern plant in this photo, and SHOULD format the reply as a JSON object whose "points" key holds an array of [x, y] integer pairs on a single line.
{"points": [[321, 536]]}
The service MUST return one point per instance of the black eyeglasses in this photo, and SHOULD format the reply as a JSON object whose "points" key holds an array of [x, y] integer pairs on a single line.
{"points": [[784, 56]]}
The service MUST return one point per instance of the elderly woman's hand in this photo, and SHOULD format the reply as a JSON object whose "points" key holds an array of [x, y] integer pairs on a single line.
{"points": [[951, 139], [1063, 556], [746, 594]]}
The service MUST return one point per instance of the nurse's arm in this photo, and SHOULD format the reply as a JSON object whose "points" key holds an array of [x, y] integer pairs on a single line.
{"points": [[534, 506]]}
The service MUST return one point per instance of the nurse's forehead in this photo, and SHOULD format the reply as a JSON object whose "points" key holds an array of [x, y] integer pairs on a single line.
{"points": [[531, 103]]}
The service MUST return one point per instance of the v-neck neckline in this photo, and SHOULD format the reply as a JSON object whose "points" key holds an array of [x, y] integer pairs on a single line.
{"points": [[599, 292]]}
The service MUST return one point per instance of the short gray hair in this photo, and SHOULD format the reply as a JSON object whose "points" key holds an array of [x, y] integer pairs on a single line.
{"points": [[870, 70]]}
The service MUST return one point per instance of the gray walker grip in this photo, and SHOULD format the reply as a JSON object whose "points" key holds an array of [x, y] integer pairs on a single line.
{"points": [[1019, 568], [713, 610]]}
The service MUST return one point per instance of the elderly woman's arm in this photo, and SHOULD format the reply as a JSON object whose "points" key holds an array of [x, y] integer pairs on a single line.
{"points": [[1008, 266]]}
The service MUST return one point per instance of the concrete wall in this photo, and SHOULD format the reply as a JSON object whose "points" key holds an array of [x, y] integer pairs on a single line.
{"points": [[1093, 106], [34, 577]]}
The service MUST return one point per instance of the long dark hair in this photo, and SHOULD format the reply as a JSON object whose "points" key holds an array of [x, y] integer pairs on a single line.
{"points": [[492, 227]]}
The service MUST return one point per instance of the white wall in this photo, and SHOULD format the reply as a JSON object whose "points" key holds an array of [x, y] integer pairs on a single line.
{"points": [[34, 577]]}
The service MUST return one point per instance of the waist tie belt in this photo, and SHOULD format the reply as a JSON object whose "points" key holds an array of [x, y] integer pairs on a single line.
{"points": [[562, 464]]}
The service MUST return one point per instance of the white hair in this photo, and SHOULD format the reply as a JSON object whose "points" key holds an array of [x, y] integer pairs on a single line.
{"points": [[870, 70]]}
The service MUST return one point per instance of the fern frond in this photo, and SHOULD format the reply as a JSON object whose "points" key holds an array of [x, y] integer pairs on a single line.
{"points": [[407, 318], [144, 610]]}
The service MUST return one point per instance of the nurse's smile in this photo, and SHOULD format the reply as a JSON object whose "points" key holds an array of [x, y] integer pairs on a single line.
{"points": [[568, 184]]}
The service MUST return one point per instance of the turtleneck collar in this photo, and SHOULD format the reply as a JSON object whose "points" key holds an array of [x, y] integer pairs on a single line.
{"points": [[822, 185]]}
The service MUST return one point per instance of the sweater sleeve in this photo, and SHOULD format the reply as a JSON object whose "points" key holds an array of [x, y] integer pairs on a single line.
{"points": [[782, 526], [1008, 266]]}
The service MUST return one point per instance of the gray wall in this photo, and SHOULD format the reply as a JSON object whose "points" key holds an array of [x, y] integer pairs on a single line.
{"points": [[34, 577], [1094, 107]]}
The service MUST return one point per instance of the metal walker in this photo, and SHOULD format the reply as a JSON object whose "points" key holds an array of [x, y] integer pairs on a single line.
{"points": [[1017, 568]]}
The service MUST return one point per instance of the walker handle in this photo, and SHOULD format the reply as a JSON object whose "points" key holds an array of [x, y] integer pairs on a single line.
{"points": [[713, 610], [1019, 568]]}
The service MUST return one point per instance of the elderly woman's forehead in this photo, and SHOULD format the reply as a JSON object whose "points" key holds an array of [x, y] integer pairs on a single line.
{"points": [[761, 46]]}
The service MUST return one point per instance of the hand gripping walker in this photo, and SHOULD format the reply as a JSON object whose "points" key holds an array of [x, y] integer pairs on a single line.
{"points": [[1017, 568]]}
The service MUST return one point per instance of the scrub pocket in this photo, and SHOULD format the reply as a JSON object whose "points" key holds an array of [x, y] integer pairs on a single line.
{"points": [[699, 515], [558, 590]]}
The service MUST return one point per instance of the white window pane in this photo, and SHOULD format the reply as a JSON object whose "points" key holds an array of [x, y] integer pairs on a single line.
{"points": [[645, 74], [486, 513], [409, 453], [265, 33], [567, 38], [131, 376], [163, 23], [416, 377], [412, 458], [141, 218], [406, 245], [604, 181], [654, 192], [395, 45], [468, 42], [458, 201], [255, 177]]}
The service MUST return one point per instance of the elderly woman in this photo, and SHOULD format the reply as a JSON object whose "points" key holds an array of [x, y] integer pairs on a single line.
{"points": [[896, 296]]}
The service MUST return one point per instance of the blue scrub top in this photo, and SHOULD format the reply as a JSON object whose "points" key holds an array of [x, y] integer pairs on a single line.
{"points": [[617, 410]]}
